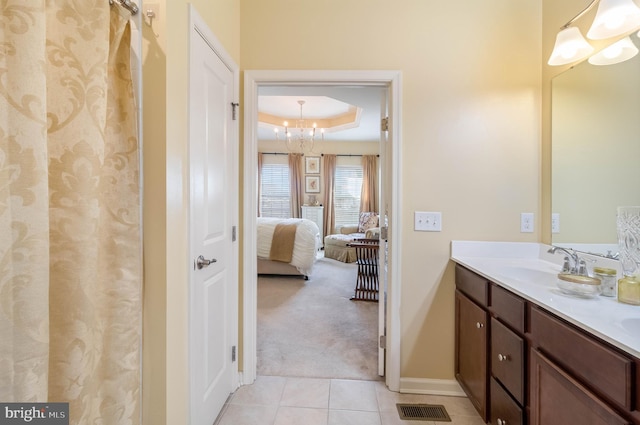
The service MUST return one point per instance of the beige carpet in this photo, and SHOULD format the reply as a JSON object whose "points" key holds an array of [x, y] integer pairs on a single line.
{"points": [[312, 329]]}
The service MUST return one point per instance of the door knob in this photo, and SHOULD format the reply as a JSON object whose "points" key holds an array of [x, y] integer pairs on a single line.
{"points": [[202, 262]]}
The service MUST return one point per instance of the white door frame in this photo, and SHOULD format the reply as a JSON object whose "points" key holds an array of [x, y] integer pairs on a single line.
{"points": [[252, 81]]}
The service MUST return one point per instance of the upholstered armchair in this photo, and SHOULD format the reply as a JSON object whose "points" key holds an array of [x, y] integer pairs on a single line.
{"points": [[335, 245]]}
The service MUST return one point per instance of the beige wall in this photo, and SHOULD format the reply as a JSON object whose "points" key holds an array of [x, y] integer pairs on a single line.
{"points": [[165, 56], [471, 131]]}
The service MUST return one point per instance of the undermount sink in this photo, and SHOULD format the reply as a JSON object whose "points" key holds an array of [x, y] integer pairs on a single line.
{"points": [[631, 325], [542, 275]]}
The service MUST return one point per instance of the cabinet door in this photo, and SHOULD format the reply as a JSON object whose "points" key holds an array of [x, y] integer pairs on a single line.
{"points": [[592, 362], [558, 399], [471, 351]]}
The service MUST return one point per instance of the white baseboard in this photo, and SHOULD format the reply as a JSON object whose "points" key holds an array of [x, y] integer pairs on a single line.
{"points": [[449, 387]]}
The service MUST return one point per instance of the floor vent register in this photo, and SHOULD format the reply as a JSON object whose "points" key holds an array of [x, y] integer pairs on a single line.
{"points": [[423, 412]]}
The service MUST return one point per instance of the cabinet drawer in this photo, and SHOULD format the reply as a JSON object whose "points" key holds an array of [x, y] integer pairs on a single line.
{"points": [[509, 307], [473, 285], [558, 399], [507, 359], [503, 409], [597, 365]]}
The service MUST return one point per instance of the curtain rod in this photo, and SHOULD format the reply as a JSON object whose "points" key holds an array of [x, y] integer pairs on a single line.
{"points": [[340, 154], [348, 154], [127, 4]]}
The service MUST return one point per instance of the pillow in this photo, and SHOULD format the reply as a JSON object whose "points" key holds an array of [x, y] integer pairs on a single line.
{"points": [[367, 221]]}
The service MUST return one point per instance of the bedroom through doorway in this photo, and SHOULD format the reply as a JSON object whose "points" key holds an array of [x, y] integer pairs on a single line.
{"points": [[311, 328], [390, 160]]}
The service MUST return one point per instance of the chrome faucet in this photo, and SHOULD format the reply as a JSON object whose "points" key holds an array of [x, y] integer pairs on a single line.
{"points": [[572, 262]]}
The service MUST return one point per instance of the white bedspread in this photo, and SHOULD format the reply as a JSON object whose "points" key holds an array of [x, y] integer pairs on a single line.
{"points": [[304, 247]]}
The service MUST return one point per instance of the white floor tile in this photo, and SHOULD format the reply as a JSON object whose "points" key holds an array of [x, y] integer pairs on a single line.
{"points": [[300, 415], [455, 405], [352, 417], [308, 401], [353, 395], [393, 418], [306, 392], [387, 400], [466, 420], [265, 391], [248, 415]]}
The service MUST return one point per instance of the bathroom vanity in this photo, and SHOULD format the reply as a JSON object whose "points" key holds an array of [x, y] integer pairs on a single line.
{"points": [[526, 353]]}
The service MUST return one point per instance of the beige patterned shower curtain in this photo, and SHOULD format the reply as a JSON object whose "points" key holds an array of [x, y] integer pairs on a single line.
{"points": [[70, 247]]}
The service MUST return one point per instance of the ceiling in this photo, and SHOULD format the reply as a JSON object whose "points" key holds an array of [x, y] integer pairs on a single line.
{"points": [[356, 107]]}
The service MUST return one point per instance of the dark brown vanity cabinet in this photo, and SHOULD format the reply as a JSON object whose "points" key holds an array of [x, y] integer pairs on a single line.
{"points": [[471, 338], [520, 364], [576, 378]]}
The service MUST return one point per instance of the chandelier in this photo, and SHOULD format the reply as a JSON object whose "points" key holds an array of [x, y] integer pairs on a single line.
{"points": [[302, 137]]}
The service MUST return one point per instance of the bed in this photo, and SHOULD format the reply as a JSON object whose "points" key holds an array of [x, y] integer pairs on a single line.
{"points": [[295, 248]]}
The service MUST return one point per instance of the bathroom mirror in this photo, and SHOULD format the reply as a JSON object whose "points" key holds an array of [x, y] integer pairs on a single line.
{"points": [[595, 152]]}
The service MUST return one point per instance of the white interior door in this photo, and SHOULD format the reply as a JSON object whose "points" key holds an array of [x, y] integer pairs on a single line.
{"points": [[213, 216]]}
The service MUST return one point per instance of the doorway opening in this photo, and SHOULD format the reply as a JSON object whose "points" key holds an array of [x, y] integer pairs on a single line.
{"points": [[390, 158], [340, 337]]}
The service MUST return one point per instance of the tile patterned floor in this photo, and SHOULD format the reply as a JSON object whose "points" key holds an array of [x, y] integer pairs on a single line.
{"points": [[306, 401]]}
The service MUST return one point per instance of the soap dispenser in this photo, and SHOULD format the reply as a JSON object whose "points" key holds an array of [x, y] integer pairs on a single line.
{"points": [[629, 290]]}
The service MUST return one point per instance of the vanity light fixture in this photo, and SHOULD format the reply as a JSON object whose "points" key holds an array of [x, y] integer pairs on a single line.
{"points": [[613, 18], [570, 47], [619, 51]]}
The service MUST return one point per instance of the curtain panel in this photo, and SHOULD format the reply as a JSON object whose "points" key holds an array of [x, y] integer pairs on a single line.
{"points": [[369, 194], [329, 173], [297, 184], [70, 251], [260, 162]]}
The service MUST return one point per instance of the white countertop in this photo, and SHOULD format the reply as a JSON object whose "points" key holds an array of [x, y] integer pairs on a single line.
{"points": [[526, 269]]}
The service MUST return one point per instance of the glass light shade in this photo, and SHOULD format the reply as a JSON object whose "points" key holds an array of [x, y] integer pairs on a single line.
{"points": [[613, 18], [619, 51], [570, 46]]}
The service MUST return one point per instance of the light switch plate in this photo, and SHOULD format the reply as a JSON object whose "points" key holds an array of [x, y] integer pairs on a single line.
{"points": [[428, 221], [555, 223], [526, 223]]}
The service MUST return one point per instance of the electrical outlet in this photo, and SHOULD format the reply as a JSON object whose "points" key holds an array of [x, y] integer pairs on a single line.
{"points": [[526, 223], [555, 223], [428, 221]]}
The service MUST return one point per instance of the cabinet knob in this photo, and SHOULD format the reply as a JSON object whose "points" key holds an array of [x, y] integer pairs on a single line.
{"points": [[503, 357], [479, 325], [502, 422]]}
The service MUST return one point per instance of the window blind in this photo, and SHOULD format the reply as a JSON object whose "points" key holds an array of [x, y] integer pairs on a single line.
{"points": [[346, 195], [275, 193]]}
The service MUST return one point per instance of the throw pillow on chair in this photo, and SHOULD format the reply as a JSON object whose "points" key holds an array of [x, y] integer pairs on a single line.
{"points": [[367, 221]]}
